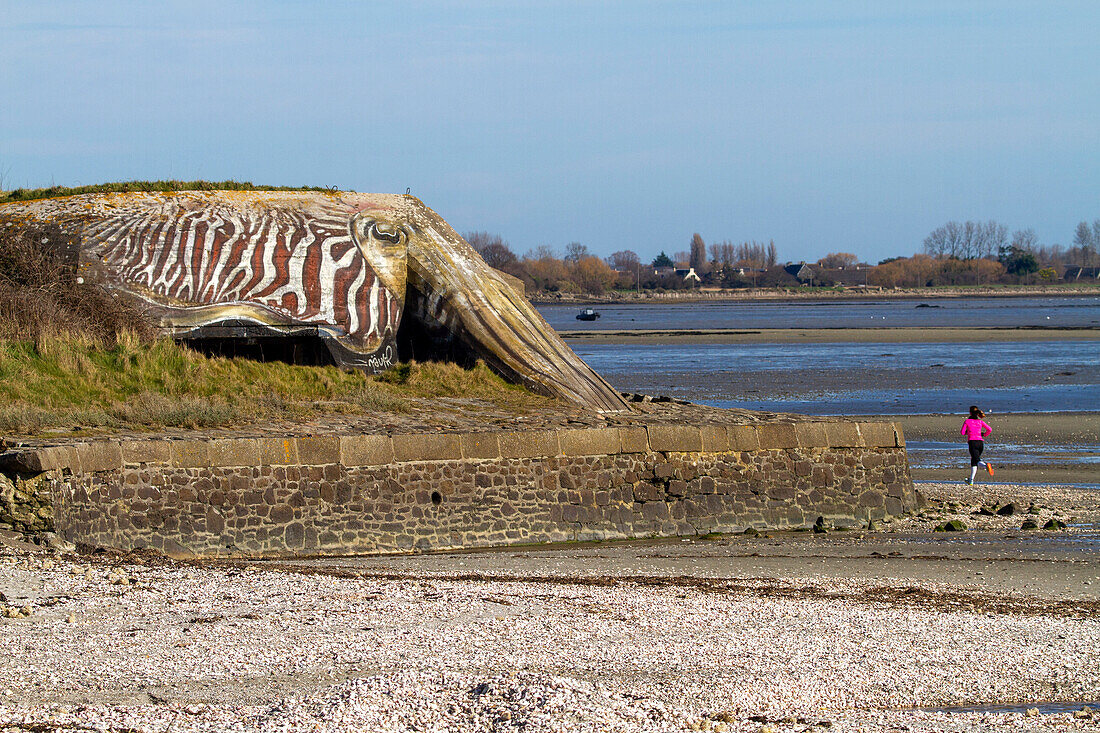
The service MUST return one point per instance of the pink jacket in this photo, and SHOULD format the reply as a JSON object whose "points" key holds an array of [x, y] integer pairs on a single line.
{"points": [[975, 429]]}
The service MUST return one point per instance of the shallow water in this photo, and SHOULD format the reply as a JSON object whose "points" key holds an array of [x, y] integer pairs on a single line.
{"points": [[1057, 312], [861, 379], [1061, 398], [944, 454], [1044, 708]]}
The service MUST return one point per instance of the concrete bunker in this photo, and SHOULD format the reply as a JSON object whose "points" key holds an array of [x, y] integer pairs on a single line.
{"points": [[376, 277]]}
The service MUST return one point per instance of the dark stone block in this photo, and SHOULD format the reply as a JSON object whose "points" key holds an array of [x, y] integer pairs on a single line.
{"points": [[571, 513], [871, 498], [294, 536], [783, 493]]}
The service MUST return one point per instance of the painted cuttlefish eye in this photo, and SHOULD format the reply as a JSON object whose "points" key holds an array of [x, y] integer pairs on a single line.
{"points": [[384, 232], [384, 245]]}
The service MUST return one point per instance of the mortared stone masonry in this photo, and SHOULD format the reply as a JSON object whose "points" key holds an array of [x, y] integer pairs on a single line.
{"points": [[347, 494]]}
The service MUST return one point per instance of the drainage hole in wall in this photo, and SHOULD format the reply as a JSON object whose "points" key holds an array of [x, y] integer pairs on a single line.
{"points": [[437, 498]]}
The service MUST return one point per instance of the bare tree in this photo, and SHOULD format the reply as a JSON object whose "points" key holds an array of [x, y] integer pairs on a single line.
{"points": [[723, 254], [492, 248], [1082, 236], [624, 260], [1025, 239], [481, 240], [993, 238], [1086, 241], [698, 256], [498, 255], [575, 252], [834, 260], [966, 240], [542, 252]]}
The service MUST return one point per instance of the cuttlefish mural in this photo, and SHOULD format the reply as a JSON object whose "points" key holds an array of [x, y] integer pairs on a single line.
{"points": [[354, 268]]}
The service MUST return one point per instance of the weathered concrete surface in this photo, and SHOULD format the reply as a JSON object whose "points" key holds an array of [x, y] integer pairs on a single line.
{"points": [[336, 494]]}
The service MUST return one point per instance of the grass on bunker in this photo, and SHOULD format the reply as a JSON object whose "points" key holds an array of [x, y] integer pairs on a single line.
{"points": [[31, 194], [68, 382]]}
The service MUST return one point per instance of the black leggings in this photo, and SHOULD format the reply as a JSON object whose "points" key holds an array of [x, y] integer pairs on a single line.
{"points": [[976, 448]]}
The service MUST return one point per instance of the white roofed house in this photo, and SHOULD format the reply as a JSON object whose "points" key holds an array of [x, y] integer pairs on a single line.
{"points": [[685, 273]]}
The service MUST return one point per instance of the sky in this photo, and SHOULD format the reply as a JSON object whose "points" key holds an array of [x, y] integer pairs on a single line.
{"points": [[823, 126]]}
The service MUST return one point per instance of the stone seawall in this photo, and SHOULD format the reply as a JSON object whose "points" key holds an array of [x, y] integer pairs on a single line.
{"points": [[337, 494]]}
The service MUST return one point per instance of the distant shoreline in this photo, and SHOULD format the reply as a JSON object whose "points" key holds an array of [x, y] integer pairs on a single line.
{"points": [[902, 335], [811, 294]]}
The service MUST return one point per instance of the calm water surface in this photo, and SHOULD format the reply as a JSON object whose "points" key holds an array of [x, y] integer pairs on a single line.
{"points": [[860, 379], [1062, 312], [865, 378]]}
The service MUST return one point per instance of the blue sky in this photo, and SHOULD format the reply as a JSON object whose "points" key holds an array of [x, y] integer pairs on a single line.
{"points": [[826, 126]]}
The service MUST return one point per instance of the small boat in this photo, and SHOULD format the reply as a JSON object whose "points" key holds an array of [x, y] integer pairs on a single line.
{"points": [[588, 314]]}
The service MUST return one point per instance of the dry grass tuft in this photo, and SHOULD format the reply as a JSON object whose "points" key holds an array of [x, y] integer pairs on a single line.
{"points": [[30, 194]]}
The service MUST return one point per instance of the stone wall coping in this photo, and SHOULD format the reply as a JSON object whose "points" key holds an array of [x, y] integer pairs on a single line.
{"points": [[367, 450]]}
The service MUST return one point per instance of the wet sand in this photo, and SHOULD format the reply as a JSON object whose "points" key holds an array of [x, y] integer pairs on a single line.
{"points": [[1048, 447], [827, 335], [1064, 430], [991, 563]]}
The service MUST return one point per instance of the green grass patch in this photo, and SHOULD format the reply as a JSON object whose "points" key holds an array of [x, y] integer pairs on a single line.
{"points": [[70, 383], [30, 194]]}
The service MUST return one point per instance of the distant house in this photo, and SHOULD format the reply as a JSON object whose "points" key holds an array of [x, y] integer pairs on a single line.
{"points": [[684, 273], [688, 273], [1074, 274], [800, 272], [847, 276]]}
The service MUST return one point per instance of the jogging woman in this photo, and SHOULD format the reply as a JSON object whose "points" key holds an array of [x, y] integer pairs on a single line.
{"points": [[975, 430]]}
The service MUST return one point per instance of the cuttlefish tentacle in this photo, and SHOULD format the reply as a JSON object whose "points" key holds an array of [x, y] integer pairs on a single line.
{"points": [[495, 320]]}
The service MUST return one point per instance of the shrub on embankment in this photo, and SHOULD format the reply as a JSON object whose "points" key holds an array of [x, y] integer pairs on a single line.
{"points": [[41, 296]]}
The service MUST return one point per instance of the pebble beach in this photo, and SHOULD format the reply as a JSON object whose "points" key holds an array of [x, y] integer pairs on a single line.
{"points": [[566, 638]]}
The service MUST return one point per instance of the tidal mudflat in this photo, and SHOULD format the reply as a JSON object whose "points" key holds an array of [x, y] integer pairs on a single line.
{"points": [[1039, 387], [856, 630]]}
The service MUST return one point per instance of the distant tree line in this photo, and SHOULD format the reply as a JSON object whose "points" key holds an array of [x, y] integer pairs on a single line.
{"points": [[577, 270], [956, 253], [976, 253]]}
